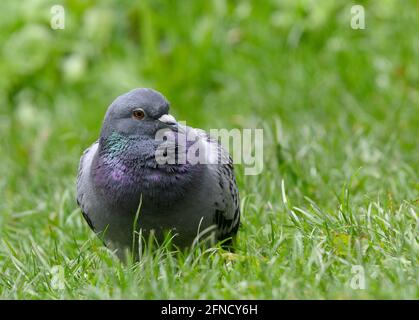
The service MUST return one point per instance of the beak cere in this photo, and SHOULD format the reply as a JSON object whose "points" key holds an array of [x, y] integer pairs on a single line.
{"points": [[167, 119]]}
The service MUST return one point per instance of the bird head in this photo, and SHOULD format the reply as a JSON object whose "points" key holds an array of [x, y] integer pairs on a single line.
{"points": [[140, 113]]}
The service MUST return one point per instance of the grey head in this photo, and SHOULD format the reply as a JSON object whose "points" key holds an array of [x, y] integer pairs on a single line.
{"points": [[138, 113]]}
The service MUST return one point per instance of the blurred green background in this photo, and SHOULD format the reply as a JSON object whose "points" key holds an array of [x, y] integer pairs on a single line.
{"points": [[335, 103]]}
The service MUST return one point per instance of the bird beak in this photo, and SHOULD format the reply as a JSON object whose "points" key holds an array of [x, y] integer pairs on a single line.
{"points": [[169, 121]]}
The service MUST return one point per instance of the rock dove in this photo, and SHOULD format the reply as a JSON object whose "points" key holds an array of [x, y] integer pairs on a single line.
{"points": [[122, 186]]}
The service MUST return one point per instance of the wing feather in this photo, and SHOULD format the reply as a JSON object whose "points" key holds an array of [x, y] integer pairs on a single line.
{"points": [[83, 182], [227, 203]]}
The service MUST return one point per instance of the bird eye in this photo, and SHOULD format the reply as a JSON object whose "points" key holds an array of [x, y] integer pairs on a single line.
{"points": [[138, 114]]}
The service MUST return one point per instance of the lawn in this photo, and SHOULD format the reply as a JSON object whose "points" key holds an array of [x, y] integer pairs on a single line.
{"points": [[334, 213]]}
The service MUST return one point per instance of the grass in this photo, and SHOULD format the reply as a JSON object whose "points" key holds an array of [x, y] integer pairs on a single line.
{"points": [[339, 109]]}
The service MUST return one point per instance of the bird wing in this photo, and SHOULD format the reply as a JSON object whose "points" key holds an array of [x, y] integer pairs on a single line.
{"points": [[227, 201], [84, 183], [227, 215]]}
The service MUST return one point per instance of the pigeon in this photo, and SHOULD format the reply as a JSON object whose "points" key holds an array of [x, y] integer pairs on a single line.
{"points": [[124, 188]]}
